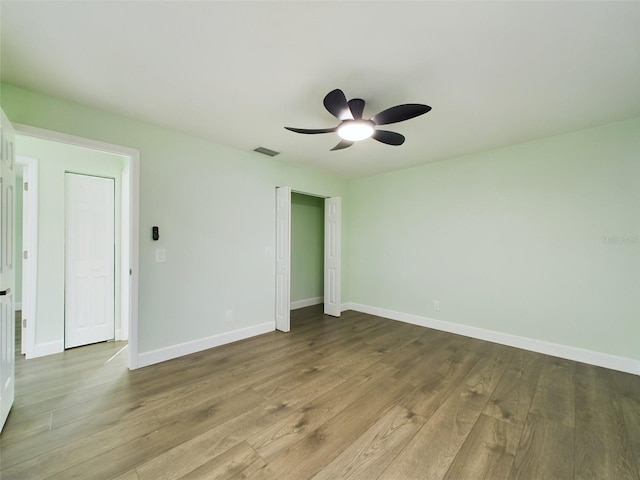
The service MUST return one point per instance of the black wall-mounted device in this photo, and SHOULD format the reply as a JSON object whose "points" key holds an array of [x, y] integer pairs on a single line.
{"points": [[155, 233]]}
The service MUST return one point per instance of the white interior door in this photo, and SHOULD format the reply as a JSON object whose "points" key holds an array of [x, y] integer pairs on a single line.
{"points": [[7, 223], [283, 258], [332, 255], [90, 260]]}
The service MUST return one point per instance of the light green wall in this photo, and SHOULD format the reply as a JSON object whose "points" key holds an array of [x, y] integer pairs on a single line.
{"points": [[54, 159], [307, 247], [539, 240], [215, 207]]}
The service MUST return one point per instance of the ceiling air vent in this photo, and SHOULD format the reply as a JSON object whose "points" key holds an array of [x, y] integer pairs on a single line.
{"points": [[266, 151]]}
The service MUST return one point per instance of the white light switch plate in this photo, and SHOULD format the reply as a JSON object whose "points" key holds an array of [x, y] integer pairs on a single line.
{"points": [[161, 255]]}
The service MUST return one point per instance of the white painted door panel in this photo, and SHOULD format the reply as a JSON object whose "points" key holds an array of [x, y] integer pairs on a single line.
{"points": [[332, 256], [7, 222], [89, 260], [283, 258]]}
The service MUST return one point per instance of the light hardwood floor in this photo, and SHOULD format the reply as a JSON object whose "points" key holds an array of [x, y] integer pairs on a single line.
{"points": [[360, 397]]}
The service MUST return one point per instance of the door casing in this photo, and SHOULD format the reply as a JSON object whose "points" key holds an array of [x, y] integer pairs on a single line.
{"points": [[332, 256], [29, 250]]}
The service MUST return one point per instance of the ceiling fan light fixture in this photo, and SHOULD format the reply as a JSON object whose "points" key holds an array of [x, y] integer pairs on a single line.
{"points": [[355, 130]]}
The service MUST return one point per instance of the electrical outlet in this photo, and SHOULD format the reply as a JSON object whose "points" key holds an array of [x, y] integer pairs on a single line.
{"points": [[228, 316], [436, 305]]}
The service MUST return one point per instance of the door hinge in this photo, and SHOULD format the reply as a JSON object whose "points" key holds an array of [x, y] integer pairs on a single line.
{"points": [[24, 323], [25, 255], [26, 186]]}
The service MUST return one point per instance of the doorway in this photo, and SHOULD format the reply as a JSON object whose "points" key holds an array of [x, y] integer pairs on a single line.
{"points": [[307, 250], [126, 236], [331, 267]]}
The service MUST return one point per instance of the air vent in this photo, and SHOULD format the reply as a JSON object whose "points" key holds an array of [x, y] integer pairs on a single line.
{"points": [[266, 151]]}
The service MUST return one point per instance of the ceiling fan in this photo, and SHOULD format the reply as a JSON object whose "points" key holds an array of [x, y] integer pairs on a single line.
{"points": [[353, 127]]}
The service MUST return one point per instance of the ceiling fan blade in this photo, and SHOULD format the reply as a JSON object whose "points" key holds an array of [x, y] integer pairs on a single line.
{"points": [[336, 103], [312, 130], [390, 138], [356, 105], [342, 144], [400, 113]]}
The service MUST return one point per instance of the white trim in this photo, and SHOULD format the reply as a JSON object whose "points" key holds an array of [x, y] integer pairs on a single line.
{"points": [[134, 249], [74, 140], [283, 259], [29, 221], [122, 333], [134, 214], [623, 364], [49, 348], [187, 348], [307, 302]]}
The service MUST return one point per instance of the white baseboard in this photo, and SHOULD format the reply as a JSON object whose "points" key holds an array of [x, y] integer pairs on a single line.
{"points": [[163, 354], [306, 302], [591, 357], [49, 348]]}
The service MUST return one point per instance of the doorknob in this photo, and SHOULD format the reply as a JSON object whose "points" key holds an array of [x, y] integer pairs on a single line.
{"points": [[5, 292]]}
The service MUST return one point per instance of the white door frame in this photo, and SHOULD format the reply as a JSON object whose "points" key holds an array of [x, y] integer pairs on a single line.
{"points": [[331, 260], [129, 275], [125, 255], [29, 247], [283, 258]]}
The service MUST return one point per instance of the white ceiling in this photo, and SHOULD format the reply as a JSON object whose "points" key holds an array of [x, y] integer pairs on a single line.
{"points": [[495, 73]]}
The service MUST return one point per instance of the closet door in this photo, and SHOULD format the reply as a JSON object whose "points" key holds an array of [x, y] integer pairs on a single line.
{"points": [[332, 255], [283, 258], [89, 260]]}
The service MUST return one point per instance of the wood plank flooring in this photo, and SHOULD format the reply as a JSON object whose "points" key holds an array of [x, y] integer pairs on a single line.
{"points": [[360, 397]]}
